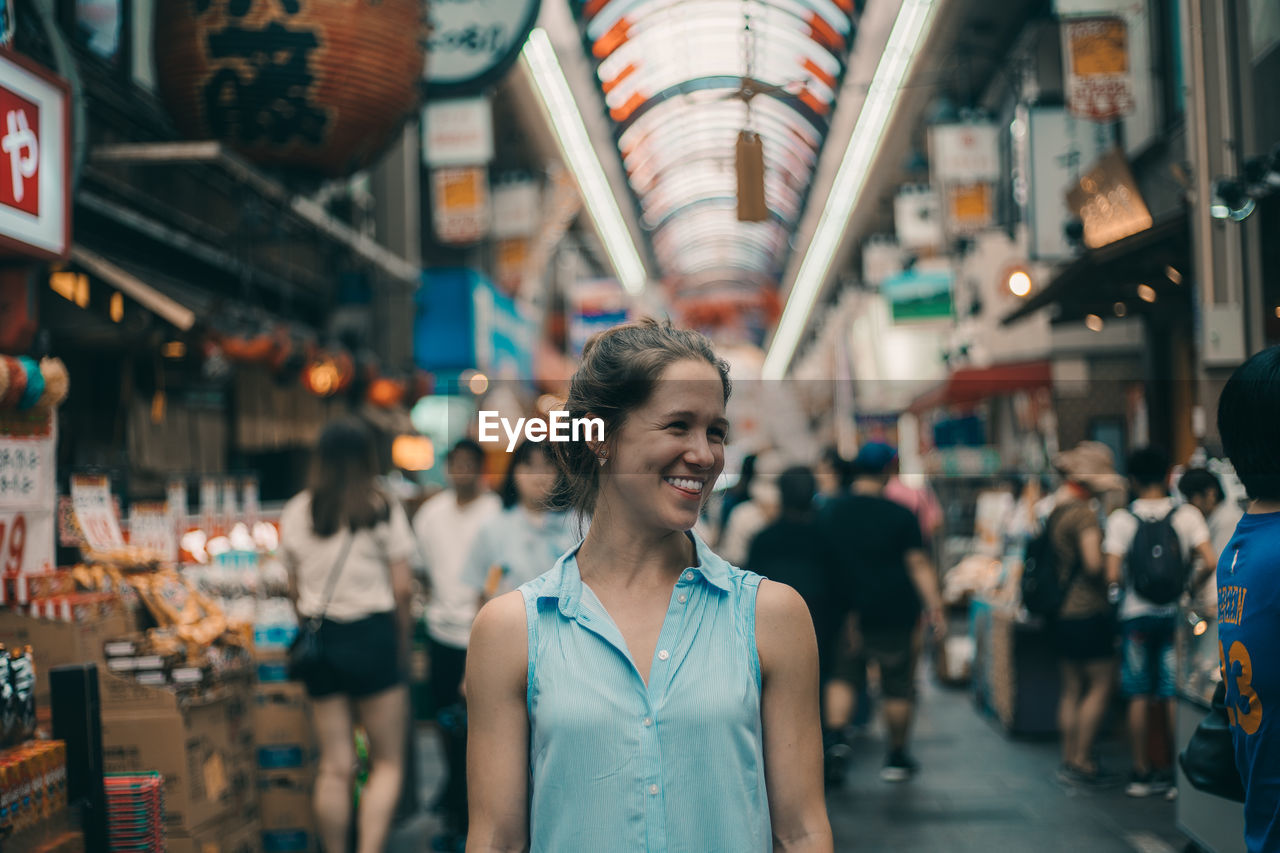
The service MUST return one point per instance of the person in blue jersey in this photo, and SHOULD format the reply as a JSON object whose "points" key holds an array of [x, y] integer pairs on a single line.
{"points": [[644, 695], [518, 544], [1249, 593]]}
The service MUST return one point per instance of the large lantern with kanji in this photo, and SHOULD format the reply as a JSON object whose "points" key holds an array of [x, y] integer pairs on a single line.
{"points": [[316, 85]]}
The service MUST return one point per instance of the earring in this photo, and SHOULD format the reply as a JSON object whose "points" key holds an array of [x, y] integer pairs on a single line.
{"points": [[603, 459]]}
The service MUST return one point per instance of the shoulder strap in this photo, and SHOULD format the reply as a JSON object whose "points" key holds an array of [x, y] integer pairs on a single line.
{"points": [[335, 573]]}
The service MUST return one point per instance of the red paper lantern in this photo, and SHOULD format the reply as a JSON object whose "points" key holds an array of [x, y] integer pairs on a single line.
{"points": [[317, 85]]}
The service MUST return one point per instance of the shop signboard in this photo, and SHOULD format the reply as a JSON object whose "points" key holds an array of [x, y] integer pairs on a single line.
{"points": [[920, 293], [1108, 202], [457, 132], [27, 499], [1096, 54], [472, 44], [964, 153], [597, 305], [1062, 147], [150, 526], [917, 218], [505, 334], [443, 333], [35, 138], [970, 207], [460, 204]]}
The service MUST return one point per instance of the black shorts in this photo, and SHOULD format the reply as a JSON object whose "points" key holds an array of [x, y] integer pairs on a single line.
{"points": [[1084, 638], [361, 658]]}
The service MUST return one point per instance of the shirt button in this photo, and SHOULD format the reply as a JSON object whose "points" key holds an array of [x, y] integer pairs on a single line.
{"points": [[688, 576], [653, 789], [682, 598], [664, 654], [648, 721]]}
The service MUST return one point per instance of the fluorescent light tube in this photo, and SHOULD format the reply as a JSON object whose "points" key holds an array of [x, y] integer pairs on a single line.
{"points": [[913, 21], [579, 155]]}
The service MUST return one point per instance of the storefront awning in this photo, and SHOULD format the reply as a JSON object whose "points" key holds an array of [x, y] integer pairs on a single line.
{"points": [[1101, 277], [969, 385], [144, 294]]}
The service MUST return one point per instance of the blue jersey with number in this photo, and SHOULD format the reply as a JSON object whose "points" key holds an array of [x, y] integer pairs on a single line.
{"points": [[1249, 646]]}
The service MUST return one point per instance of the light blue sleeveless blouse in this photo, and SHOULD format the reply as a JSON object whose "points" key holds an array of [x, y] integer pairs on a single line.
{"points": [[674, 767]]}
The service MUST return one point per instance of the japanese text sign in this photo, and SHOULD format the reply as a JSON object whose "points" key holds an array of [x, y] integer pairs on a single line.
{"points": [[35, 161]]}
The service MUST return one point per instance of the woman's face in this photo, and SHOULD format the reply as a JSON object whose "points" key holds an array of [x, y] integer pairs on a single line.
{"points": [[668, 453], [534, 478]]}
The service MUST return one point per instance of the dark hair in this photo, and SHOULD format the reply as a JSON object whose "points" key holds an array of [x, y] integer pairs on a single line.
{"points": [[509, 493], [466, 445], [796, 487], [1197, 481], [1148, 466], [742, 487], [342, 485], [1248, 412], [619, 370], [842, 467]]}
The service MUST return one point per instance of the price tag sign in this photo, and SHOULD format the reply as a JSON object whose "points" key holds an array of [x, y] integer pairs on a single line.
{"points": [[26, 471], [26, 542], [91, 498], [151, 526]]}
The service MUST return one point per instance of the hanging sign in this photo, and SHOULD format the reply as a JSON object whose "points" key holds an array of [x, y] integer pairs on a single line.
{"points": [[35, 166], [917, 218], [1108, 202], [1062, 148], [457, 132], [460, 204], [964, 153], [472, 44], [920, 293], [1096, 54], [970, 207]]}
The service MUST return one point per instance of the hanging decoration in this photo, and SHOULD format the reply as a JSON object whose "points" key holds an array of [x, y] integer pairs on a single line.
{"points": [[313, 85], [26, 384]]}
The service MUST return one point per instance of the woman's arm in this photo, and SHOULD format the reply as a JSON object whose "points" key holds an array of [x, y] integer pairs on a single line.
{"points": [[402, 590], [789, 713], [498, 728]]}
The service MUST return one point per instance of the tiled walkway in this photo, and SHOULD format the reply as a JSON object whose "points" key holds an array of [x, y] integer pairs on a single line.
{"points": [[978, 791]]}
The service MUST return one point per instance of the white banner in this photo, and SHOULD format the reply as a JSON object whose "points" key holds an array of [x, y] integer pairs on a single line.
{"points": [[457, 132]]}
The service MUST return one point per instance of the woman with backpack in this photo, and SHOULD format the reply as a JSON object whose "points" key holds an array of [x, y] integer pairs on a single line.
{"points": [[1081, 626]]}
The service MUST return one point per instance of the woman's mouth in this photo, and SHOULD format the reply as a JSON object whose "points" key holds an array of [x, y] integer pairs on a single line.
{"points": [[687, 485]]}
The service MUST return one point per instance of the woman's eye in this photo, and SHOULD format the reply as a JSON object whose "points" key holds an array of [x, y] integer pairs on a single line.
{"points": [[718, 435], [681, 425]]}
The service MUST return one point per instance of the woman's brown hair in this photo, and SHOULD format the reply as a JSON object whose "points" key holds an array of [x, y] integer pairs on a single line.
{"points": [[343, 489], [620, 368]]}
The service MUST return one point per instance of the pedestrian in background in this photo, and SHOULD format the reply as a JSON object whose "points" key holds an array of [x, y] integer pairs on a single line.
{"points": [[889, 581], [644, 694], [1083, 631], [1249, 593], [347, 545], [446, 527], [519, 543], [1146, 542]]}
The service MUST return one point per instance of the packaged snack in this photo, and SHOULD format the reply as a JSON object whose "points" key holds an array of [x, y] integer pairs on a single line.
{"points": [[8, 710], [22, 677]]}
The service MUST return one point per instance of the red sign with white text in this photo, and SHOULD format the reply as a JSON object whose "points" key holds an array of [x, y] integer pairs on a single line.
{"points": [[20, 152]]}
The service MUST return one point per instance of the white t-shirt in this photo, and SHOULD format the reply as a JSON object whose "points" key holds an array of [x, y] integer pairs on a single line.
{"points": [[523, 544], [1192, 532], [446, 533], [363, 586]]}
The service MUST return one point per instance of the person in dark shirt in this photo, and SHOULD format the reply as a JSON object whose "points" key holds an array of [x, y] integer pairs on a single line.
{"points": [[884, 575], [789, 551], [1249, 593]]}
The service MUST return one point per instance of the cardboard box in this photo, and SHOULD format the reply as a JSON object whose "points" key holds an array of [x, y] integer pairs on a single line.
{"points": [[60, 643], [286, 810], [282, 715], [197, 743], [232, 834]]}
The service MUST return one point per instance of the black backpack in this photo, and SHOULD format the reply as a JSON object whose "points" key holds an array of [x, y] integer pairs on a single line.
{"points": [[1043, 588], [1155, 564]]}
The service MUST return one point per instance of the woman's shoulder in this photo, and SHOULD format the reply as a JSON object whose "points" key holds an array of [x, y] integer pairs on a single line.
{"points": [[498, 626], [295, 508]]}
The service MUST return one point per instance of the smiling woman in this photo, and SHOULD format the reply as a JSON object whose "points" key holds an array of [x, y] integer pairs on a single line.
{"points": [[663, 699]]}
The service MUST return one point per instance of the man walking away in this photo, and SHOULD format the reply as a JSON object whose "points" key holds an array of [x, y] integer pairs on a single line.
{"points": [[887, 578], [1149, 547]]}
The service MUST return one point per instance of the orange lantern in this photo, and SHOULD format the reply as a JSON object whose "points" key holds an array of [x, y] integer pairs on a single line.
{"points": [[385, 392]]}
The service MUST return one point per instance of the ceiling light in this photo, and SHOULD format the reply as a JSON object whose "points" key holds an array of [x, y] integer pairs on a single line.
{"points": [[478, 383], [1173, 275], [174, 349], [1019, 283], [1146, 293], [1230, 201], [539, 58], [1278, 312], [1094, 322], [914, 20], [116, 307]]}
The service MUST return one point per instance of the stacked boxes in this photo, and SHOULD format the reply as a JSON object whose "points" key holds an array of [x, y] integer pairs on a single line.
{"points": [[33, 785], [135, 812], [286, 758]]}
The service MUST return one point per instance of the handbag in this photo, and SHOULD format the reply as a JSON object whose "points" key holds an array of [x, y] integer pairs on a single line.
{"points": [[1209, 761], [306, 653]]}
